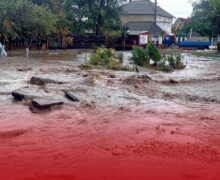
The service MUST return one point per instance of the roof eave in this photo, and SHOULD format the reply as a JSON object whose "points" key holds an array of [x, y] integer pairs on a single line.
{"points": [[171, 16]]}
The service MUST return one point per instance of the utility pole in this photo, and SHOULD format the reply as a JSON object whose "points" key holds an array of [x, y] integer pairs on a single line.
{"points": [[155, 30]]}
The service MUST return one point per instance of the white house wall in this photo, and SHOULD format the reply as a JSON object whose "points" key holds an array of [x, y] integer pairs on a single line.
{"points": [[165, 23]]}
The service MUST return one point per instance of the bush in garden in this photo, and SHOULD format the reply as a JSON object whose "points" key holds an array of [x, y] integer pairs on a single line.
{"points": [[140, 56], [175, 62], [95, 60], [106, 58], [179, 62], [171, 62], [154, 53], [121, 57], [163, 66], [102, 56], [114, 65], [168, 63]]}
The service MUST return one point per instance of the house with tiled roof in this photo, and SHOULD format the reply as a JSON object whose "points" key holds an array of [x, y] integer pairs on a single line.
{"points": [[139, 17]]}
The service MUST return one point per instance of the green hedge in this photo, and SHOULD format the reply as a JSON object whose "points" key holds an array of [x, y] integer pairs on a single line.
{"points": [[142, 56]]}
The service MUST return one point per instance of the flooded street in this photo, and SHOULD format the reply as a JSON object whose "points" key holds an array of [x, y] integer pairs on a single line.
{"points": [[158, 126]]}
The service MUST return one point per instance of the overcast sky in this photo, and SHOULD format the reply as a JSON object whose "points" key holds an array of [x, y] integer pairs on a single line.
{"points": [[178, 8]]}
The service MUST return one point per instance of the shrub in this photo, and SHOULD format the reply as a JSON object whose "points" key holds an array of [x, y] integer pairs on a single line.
{"points": [[179, 63], [168, 63], [102, 56], [154, 53], [171, 60], [175, 62], [218, 46], [106, 58], [114, 65], [140, 56], [163, 66], [95, 60], [121, 57]]}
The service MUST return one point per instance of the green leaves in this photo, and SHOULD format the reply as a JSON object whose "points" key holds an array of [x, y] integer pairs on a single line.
{"points": [[102, 56], [98, 16], [6, 24], [26, 20], [140, 56], [154, 53], [206, 17], [31, 19], [77, 13]]}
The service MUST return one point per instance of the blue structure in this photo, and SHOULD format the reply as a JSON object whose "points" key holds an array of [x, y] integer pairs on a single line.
{"points": [[195, 44], [168, 40]]}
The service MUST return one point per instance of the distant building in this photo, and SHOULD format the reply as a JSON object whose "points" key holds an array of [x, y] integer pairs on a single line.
{"points": [[139, 17], [179, 31], [179, 24]]}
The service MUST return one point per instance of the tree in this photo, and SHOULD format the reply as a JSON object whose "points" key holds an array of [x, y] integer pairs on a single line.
{"points": [[206, 17], [104, 15], [56, 7], [32, 21], [215, 15], [77, 14], [6, 24], [99, 16]]}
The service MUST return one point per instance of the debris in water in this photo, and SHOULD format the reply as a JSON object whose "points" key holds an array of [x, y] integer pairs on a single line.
{"points": [[23, 69], [71, 96], [42, 81], [19, 95], [133, 80], [45, 103]]}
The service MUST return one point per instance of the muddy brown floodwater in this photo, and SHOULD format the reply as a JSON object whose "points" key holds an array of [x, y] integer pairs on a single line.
{"points": [[158, 126]]}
